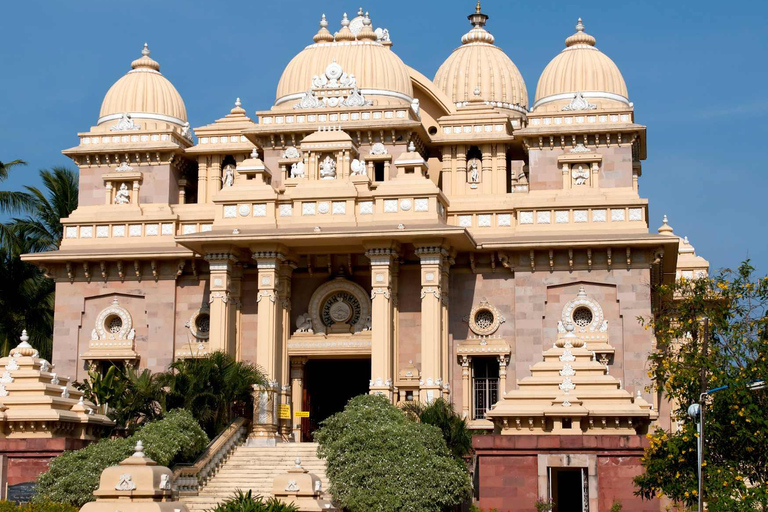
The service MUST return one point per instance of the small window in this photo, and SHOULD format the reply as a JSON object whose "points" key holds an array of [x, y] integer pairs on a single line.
{"points": [[485, 385], [378, 171], [582, 317]]}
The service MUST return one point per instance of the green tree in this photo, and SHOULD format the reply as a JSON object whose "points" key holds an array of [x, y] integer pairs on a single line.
{"points": [[379, 460], [12, 201], [215, 388], [712, 332], [440, 414]]}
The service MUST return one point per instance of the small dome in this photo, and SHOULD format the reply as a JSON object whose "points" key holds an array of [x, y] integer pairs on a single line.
{"points": [[479, 70], [583, 75], [144, 93], [359, 56]]}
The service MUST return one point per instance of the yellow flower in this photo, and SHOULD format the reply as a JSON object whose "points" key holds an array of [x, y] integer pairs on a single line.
{"points": [[705, 463]]}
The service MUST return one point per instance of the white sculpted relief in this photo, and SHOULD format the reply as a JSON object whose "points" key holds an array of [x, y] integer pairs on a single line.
{"points": [[473, 171], [328, 169], [358, 167], [334, 78], [291, 152], [228, 176], [304, 323], [122, 196], [580, 175], [297, 170], [378, 149], [125, 124]]}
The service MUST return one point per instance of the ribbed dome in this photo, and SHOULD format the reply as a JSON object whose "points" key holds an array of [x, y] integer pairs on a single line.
{"points": [[144, 93], [480, 70], [379, 74], [581, 74]]}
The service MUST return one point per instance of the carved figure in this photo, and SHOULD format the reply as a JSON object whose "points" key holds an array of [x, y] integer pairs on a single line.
{"points": [[291, 152], [125, 483], [474, 171], [367, 324], [304, 323], [358, 167], [122, 196], [186, 131], [228, 178], [125, 123], [297, 170], [94, 335], [378, 149], [580, 175], [328, 169], [165, 483], [132, 334]]}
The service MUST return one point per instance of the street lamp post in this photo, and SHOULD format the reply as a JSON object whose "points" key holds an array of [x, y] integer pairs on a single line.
{"points": [[696, 412]]}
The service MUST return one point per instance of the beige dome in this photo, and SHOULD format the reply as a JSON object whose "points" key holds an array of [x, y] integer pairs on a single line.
{"points": [[144, 93], [480, 70], [583, 75], [356, 51]]}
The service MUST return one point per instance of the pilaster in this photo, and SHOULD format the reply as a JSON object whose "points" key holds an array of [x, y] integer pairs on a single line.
{"points": [[466, 386], [432, 365], [383, 260], [224, 294], [284, 304], [297, 397]]}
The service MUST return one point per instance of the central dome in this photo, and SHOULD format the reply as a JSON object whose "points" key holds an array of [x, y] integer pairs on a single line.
{"points": [[480, 70], [360, 56]]}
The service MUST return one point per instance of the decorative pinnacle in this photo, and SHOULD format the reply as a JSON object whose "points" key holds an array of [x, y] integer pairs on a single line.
{"points": [[145, 52], [254, 153], [580, 26], [138, 451], [411, 147], [24, 338], [323, 22], [367, 19], [298, 462], [360, 11], [237, 103], [344, 20], [477, 7], [665, 220], [476, 92]]}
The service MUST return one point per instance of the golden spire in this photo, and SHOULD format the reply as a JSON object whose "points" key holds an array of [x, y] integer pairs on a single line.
{"points": [[323, 36], [477, 7], [478, 33]]}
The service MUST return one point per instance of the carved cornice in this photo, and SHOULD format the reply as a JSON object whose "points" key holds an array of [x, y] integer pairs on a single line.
{"points": [[268, 259], [381, 256]]}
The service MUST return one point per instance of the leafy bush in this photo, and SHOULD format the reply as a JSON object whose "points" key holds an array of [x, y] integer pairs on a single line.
{"points": [[245, 502], [544, 505], [616, 506], [47, 506], [440, 414], [378, 460], [74, 475]]}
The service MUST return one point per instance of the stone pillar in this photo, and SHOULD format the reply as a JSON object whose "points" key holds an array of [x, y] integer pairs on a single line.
{"points": [[382, 314], [297, 390], [284, 303], [431, 321], [461, 170], [503, 362], [202, 179], [445, 331], [224, 293], [466, 387], [268, 348], [447, 171]]}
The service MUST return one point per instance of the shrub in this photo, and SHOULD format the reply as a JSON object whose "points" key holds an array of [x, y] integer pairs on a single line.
{"points": [[440, 414], [74, 475], [616, 507], [378, 460], [245, 502], [47, 506], [544, 505]]}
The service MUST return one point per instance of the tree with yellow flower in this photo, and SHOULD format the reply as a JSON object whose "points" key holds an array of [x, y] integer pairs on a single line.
{"points": [[711, 333]]}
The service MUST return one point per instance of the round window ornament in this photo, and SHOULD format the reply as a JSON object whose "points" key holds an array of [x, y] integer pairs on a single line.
{"points": [[484, 319], [244, 210], [323, 207], [200, 324]]}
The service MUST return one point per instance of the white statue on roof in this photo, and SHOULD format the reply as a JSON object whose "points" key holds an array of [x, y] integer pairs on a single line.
{"points": [[122, 196], [228, 178]]}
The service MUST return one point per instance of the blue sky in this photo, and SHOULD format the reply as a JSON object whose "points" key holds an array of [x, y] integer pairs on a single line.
{"points": [[696, 72]]}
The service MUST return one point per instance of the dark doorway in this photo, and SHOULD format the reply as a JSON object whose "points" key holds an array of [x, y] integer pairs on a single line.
{"points": [[567, 487], [328, 386]]}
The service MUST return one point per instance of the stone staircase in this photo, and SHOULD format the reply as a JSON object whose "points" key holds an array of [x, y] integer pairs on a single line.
{"points": [[254, 468]]}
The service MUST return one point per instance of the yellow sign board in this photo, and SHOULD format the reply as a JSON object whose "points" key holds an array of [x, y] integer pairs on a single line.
{"points": [[285, 412], [301, 414]]}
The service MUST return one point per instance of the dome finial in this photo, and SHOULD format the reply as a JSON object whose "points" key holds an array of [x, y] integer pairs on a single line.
{"points": [[344, 20], [580, 37], [579, 26], [477, 7], [238, 103], [360, 11], [478, 34], [665, 228], [323, 21], [323, 35], [145, 51]]}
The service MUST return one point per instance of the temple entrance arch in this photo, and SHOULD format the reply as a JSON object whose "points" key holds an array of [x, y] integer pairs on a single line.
{"points": [[328, 386]]}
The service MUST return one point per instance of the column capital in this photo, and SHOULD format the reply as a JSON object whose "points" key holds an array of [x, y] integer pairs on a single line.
{"points": [[432, 254], [381, 255], [221, 257], [268, 259]]}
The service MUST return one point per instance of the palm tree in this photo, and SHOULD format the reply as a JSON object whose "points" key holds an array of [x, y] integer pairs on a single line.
{"points": [[440, 414], [42, 227], [26, 295], [213, 388]]}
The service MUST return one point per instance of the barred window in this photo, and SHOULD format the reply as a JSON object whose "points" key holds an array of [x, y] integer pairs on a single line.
{"points": [[485, 385]]}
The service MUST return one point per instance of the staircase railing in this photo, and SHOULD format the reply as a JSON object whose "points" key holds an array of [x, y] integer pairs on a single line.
{"points": [[190, 478]]}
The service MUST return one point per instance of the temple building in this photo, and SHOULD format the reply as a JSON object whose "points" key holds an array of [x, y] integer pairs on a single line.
{"points": [[375, 230]]}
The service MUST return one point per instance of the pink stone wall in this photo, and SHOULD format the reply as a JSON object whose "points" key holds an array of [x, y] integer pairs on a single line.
{"points": [[615, 169], [157, 316], [159, 184], [532, 304], [249, 316], [191, 295]]}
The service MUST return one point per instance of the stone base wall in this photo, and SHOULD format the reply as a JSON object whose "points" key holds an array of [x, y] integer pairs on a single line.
{"points": [[511, 471], [28, 458]]}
